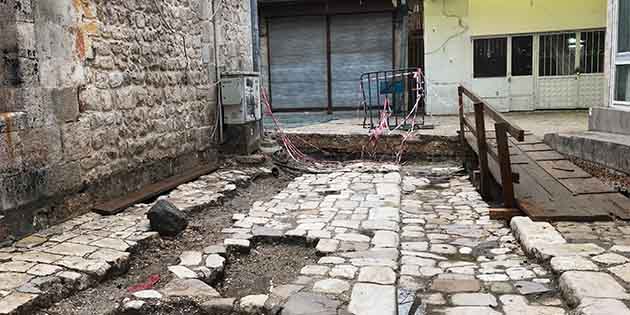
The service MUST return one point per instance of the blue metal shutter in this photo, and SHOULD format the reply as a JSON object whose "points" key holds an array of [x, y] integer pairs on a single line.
{"points": [[298, 62], [359, 43]]}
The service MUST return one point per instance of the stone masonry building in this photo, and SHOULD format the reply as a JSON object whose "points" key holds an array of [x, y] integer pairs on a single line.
{"points": [[101, 97]]}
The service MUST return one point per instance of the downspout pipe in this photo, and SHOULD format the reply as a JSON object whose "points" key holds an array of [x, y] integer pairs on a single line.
{"points": [[253, 5], [217, 69]]}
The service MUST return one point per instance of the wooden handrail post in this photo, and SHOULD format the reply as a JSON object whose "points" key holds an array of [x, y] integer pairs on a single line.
{"points": [[503, 149], [462, 131], [483, 150]]}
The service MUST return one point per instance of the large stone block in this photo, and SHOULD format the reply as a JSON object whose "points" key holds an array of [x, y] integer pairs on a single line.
{"points": [[65, 103]]}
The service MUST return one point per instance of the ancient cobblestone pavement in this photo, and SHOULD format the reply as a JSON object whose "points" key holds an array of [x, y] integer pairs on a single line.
{"points": [[410, 241], [391, 242], [52, 264]]}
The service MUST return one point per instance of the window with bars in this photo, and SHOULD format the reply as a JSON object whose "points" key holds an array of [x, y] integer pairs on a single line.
{"points": [[592, 51], [490, 57], [557, 54], [622, 56]]}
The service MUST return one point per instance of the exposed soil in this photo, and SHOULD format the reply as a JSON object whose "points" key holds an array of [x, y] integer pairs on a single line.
{"points": [[265, 266], [204, 229], [620, 181]]}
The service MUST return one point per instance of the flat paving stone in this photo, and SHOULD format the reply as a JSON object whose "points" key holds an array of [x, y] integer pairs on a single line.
{"points": [[610, 259], [72, 249], [182, 272], [569, 249], [530, 287], [215, 261], [315, 270], [474, 299], [148, 294], [15, 302], [579, 285], [468, 310], [189, 288], [453, 286], [343, 271], [379, 275], [326, 245], [331, 286], [11, 280], [304, 303], [566, 263], [373, 299], [602, 307], [90, 266], [385, 239], [42, 270], [190, 258]]}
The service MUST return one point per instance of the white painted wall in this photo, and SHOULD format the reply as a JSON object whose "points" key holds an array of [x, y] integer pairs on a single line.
{"points": [[449, 25], [448, 53]]}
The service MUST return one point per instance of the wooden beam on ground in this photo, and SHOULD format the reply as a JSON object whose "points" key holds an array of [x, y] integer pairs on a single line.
{"points": [[151, 191], [505, 213]]}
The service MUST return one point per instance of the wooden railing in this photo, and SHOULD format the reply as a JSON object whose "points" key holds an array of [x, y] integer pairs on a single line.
{"points": [[502, 128]]}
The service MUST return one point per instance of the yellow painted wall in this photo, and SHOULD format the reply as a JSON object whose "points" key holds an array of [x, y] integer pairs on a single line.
{"points": [[489, 17]]}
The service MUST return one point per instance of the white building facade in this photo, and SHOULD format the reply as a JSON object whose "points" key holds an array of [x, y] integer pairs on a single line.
{"points": [[520, 55]]}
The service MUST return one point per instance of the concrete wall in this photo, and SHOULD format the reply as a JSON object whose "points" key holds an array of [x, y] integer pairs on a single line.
{"points": [[107, 96], [611, 118], [447, 52], [450, 24]]}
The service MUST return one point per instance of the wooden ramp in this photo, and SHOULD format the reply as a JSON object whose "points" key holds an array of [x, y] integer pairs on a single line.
{"points": [[546, 186]]}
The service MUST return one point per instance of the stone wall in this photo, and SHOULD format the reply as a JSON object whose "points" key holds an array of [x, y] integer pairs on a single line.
{"points": [[101, 97]]}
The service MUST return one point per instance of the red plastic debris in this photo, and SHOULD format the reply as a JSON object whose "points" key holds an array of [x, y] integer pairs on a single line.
{"points": [[151, 281]]}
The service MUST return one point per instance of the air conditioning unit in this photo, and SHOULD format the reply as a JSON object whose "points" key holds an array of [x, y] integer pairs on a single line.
{"points": [[240, 93]]}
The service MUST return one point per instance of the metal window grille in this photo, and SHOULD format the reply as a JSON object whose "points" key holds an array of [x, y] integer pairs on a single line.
{"points": [[557, 54], [592, 51]]}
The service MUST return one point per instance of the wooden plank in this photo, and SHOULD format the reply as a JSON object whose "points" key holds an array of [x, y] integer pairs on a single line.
{"points": [[615, 204], [504, 165], [535, 147], [483, 150], [505, 213], [150, 191], [563, 169], [585, 186], [546, 156]]}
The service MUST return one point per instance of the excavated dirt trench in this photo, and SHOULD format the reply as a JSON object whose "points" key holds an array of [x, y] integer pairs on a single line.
{"points": [[244, 274]]}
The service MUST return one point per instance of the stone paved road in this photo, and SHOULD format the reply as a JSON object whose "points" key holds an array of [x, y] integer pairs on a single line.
{"points": [[409, 241], [399, 242]]}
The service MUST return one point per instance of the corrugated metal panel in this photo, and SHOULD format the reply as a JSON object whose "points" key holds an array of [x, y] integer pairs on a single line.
{"points": [[298, 62], [359, 43]]}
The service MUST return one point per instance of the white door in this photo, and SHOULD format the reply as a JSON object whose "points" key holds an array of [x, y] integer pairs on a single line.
{"points": [[490, 80], [557, 77], [521, 73], [592, 83]]}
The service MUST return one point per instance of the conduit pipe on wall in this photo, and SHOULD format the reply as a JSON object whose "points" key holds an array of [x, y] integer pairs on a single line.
{"points": [[217, 68]]}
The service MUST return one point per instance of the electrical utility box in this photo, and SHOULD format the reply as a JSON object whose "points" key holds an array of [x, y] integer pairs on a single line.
{"points": [[242, 112], [241, 98]]}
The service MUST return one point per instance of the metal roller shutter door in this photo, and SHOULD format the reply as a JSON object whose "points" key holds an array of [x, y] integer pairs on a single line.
{"points": [[359, 43], [298, 62]]}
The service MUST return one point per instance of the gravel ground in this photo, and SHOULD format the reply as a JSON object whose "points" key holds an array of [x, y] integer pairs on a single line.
{"points": [[620, 181], [265, 266], [204, 228]]}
